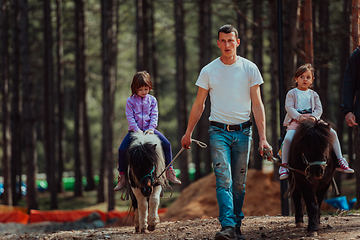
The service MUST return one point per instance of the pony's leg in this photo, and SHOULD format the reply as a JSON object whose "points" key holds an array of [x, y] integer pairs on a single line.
{"points": [[299, 215], [136, 220], [312, 209], [142, 209], [320, 194], [154, 201]]}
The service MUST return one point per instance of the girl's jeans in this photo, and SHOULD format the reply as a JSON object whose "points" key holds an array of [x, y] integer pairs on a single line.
{"points": [[126, 143], [230, 152]]}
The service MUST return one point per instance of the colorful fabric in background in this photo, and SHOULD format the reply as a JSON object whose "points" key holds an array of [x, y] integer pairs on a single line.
{"points": [[10, 214]]}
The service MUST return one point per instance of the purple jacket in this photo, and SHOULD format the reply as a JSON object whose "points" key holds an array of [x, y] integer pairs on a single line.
{"points": [[141, 113]]}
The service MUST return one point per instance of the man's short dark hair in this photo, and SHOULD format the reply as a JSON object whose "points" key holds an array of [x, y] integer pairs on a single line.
{"points": [[228, 29]]}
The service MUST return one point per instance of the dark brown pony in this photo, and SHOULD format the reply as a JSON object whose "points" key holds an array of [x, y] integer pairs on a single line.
{"points": [[311, 152]]}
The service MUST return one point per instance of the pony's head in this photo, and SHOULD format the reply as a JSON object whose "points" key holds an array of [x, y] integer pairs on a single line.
{"points": [[145, 161], [312, 143]]}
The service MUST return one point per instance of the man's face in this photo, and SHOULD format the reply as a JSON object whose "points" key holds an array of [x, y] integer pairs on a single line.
{"points": [[228, 43]]}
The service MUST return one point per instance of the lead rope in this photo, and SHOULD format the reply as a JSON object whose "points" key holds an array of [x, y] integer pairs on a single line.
{"points": [[201, 144]]}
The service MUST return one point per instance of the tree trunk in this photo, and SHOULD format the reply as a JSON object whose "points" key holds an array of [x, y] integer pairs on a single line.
{"points": [[308, 28], [181, 87], [142, 52], [60, 96], [154, 60], [15, 107], [29, 119], [201, 154], [4, 45], [241, 11], [274, 72], [109, 52], [345, 52], [49, 107], [290, 27], [79, 105], [257, 59]]}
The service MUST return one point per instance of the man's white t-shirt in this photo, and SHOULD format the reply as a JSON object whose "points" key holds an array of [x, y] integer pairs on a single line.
{"points": [[229, 89]]}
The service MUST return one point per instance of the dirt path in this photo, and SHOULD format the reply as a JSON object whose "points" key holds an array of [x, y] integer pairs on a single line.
{"points": [[264, 227]]}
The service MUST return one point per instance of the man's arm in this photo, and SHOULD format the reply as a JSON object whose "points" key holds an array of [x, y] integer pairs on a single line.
{"points": [[259, 114], [195, 114]]}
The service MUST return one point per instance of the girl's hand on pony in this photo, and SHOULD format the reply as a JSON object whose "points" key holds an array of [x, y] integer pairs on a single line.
{"points": [[149, 131]]}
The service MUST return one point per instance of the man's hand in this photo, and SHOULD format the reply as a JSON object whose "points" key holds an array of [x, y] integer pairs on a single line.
{"points": [[186, 141], [262, 145], [350, 119]]}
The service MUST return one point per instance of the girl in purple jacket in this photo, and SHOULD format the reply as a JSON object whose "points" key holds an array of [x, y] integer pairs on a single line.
{"points": [[142, 116]]}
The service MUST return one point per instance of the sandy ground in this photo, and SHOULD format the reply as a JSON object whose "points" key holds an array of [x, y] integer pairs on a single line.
{"points": [[194, 216]]}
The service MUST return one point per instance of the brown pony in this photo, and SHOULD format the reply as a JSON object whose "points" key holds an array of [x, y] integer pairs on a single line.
{"points": [[311, 152]]}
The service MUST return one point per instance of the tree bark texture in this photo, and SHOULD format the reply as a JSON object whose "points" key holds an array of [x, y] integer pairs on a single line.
{"points": [[28, 113], [257, 59], [203, 154], [4, 45], [142, 49], [60, 96], [181, 92], [109, 31], [49, 122], [16, 137]]}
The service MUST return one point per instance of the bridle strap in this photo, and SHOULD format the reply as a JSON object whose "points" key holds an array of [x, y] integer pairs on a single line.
{"points": [[148, 175]]}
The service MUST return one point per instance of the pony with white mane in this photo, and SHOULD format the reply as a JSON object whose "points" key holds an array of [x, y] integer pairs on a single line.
{"points": [[145, 165]]}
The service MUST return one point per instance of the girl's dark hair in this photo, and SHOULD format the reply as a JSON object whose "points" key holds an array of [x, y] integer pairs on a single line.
{"points": [[140, 79], [301, 70], [228, 29]]}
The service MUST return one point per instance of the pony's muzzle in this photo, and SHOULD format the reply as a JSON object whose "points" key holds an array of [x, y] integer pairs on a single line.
{"points": [[146, 187]]}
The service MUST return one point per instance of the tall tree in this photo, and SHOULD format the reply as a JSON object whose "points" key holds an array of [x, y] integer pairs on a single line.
{"points": [[29, 119], [60, 96], [274, 73], [257, 58], [109, 52], [290, 27], [15, 107], [79, 105], [49, 107], [308, 28], [203, 155], [4, 65], [154, 60], [142, 52], [181, 92]]}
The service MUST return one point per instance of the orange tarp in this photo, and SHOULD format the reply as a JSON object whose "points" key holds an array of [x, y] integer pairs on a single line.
{"points": [[61, 216], [16, 216], [35, 216]]}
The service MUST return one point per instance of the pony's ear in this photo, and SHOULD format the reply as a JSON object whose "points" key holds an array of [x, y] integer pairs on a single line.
{"points": [[154, 146]]}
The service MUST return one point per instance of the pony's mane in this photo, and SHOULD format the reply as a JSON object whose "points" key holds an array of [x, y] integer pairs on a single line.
{"points": [[312, 136], [146, 150]]}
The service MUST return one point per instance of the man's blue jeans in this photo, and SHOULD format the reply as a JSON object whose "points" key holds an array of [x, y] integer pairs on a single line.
{"points": [[230, 152]]}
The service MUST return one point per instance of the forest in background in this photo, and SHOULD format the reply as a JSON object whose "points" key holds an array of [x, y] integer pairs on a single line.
{"points": [[67, 65]]}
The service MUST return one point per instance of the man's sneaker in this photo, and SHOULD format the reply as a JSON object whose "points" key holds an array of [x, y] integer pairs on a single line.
{"points": [[239, 236], [226, 233], [344, 166], [121, 182], [284, 172], [170, 174]]}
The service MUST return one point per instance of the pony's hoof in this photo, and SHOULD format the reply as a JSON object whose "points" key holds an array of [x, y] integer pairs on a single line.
{"points": [[300, 225], [143, 230], [137, 229], [151, 228], [313, 233]]}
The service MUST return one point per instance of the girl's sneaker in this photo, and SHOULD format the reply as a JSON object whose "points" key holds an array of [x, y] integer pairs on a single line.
{"points": [[344, 166], [284, 172], [121, 182]]}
